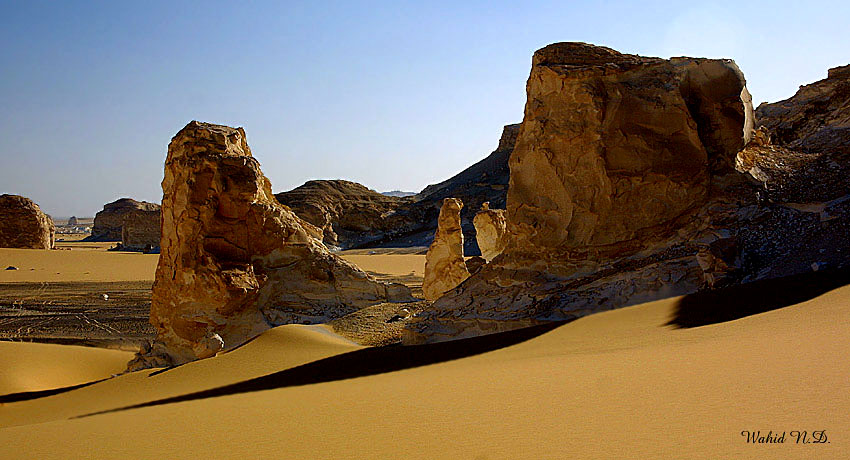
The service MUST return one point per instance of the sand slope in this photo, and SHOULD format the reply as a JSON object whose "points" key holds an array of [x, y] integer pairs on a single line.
{"points": [[28, 367], [620, 384]]}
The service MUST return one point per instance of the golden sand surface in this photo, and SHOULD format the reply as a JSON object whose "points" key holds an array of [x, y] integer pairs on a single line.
{"points": [[90, 262], [83, 261], [619, 384], [26, 367]]}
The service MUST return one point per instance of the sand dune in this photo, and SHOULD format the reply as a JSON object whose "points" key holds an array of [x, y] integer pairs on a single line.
{"points": [[26, 367], [620, 384]]}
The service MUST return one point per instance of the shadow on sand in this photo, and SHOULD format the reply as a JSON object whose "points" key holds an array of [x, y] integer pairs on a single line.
{"points": [[727, 304], [359, 363]]}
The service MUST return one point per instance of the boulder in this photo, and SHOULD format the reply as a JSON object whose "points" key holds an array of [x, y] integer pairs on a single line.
{"points": [[23, 225], [140, 230], [234, 261], [108, 222], [490, 230], [444, 264], [72, 220]]}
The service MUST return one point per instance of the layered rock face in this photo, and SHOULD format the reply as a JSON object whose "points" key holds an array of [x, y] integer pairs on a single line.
{"points": [[108, 222], [349, 214], [490, 229], [23, 225], [444, 264], [234, 261], [140, 230], [623, 170]]}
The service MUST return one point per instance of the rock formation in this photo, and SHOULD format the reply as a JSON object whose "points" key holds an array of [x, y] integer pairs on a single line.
{"points": [[108, 222], [485, 181], [352, 216], [72, 220], [490, 231], [349, 214], [444, 264], [802, 150], [23, 225], [623, 168], [234, 261], [140, 230]]}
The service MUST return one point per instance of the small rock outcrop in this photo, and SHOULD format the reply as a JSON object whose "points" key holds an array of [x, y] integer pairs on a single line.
{"points": [[349, 214], [23, 225], [444, 264], [490, 230], [234, 261], [72, 220], [109, 221], [140, 230]]}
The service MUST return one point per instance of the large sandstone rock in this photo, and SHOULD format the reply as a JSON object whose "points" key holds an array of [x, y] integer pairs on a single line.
{"points": [[234, 261], [108, 222], [140, 230], [623, 169], [23, 225], [444, 264], [349, 214], [490, 228]]}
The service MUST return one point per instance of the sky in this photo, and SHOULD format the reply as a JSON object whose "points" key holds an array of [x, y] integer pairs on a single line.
{"points": [[395, 95]]}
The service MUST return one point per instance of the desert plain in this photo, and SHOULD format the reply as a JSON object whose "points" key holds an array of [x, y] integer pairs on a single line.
{"points": [[629, 383], [646, 267]]}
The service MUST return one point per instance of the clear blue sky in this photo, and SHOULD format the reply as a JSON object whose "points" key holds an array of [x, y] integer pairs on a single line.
{"points": [[395, 95]]}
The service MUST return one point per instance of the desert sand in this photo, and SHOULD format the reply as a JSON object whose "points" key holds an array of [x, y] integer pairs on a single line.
{"points": [[85, 262], [627, 383]]}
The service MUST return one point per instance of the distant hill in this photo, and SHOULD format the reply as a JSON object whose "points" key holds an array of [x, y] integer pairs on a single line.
{"points": [[398, 193], [354, 216], [349, 214]]}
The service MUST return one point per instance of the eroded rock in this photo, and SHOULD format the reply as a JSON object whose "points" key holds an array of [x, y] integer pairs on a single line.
{"points": [[490, 229], [444, 264], [623, 166], [109, 221], [349, 214], [234, 261], [23, 225], [140, 230]]}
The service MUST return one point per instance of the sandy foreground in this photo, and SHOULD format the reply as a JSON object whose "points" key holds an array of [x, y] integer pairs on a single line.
{"points": [[619, 384]]}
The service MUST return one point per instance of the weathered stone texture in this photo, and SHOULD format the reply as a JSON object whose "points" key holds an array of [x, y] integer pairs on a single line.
{"points": [[444, 264], [23, 225], [234, 261], [108, 222]]}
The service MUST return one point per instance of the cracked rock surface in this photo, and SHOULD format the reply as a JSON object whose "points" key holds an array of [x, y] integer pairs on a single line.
{"points": [[234, 261], [444, 264], [23, 225], [624, 189]]}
